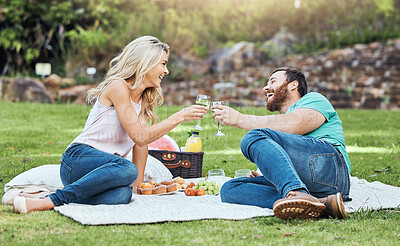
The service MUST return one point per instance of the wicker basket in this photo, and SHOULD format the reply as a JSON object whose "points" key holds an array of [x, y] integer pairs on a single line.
{"points": [[183, 164]]}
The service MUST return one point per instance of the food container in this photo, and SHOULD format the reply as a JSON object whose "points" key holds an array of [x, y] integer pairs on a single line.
{"points": [[159, 189], [183, 164]]}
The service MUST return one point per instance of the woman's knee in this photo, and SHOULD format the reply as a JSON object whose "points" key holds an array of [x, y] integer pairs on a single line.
{"points": [[129, 171], [126, 195]]}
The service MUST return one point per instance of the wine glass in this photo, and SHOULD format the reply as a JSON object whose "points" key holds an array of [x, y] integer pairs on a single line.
{"points": [[219, 133], [205, 101], [216, 175], [242, 173]]}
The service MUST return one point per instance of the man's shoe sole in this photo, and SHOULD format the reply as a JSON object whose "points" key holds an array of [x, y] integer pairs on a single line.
{"points": [[288, 209], [340, 204]]}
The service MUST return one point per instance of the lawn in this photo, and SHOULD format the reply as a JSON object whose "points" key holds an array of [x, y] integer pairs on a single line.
{"points": [[36, 134]]}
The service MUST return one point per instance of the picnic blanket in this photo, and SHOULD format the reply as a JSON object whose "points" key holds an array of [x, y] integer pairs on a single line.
{"points": [[179, 207]]}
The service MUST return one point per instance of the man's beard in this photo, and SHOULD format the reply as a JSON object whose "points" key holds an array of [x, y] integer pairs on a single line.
{"points": [[280, 96]]}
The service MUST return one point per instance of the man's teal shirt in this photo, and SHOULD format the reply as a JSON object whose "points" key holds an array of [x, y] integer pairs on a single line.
{"points": [[331, 130]]}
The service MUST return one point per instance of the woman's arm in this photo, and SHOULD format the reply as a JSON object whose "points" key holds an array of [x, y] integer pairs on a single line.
{"points": [[119, 94], [139, 158]]}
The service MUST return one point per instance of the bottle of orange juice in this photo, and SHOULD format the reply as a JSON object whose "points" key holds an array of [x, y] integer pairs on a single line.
{"points": [[193, 143]]}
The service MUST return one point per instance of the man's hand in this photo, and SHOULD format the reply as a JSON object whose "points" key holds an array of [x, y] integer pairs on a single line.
{"points": [[226, 115], [254, 174]]}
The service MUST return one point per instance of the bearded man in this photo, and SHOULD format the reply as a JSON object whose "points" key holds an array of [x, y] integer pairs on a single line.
{"points": [[300, 152]]}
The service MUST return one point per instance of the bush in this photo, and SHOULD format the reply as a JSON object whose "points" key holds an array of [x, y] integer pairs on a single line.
{"points": [[93, 31]]}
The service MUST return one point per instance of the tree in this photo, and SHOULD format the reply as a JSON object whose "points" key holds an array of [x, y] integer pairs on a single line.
{"points": [[34, 30]]}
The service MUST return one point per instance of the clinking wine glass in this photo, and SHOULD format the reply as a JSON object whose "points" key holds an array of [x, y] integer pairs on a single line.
{"points": [[219, 133], [205, 101]]}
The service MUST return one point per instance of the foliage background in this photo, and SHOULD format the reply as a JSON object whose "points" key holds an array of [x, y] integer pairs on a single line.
{"points": [[93, 31]]}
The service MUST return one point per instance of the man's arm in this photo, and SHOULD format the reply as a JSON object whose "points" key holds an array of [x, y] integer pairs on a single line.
{"points": [[299, 121]]}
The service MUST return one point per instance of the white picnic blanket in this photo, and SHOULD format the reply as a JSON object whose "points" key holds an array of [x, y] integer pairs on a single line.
{"points": [[179, 207]]}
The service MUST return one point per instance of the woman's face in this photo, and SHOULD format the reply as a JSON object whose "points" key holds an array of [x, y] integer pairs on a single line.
{"points": [[156, 74]]}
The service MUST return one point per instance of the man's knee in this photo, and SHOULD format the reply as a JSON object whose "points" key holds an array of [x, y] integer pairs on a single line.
{"points": [[252, 137], [226, 190]]}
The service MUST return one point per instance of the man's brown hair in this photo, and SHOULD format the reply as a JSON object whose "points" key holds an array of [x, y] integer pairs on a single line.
{"points": [[293, 74]]}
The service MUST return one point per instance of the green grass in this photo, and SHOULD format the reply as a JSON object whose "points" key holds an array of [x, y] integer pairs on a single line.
{"points": [[36, 134]]}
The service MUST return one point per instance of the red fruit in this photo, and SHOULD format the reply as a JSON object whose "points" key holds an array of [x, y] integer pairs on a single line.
{"points": [[200, 192], [191, 185], [190, 192]]}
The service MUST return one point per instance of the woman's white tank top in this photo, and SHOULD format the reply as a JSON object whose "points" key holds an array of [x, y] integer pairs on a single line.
{"points": [[103, 130]]}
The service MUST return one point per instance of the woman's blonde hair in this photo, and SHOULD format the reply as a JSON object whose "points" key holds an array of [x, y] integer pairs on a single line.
{"points": [[135, 60]]}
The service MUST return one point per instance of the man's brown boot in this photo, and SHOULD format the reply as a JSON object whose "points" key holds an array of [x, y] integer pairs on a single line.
{"points": [[334, 206], [298, 205]]}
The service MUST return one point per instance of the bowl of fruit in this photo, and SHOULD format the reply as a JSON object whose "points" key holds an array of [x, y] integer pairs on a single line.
{"points": [[203, 187]]}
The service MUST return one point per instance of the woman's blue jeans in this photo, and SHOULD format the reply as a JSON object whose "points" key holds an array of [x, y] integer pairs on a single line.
{"points": [[287, 162], [91, 176]]}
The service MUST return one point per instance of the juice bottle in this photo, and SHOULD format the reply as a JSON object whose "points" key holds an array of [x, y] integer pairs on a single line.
{"points": [[193, 143]]}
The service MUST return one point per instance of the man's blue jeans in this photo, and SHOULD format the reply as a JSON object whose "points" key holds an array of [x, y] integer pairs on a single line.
{"points": [[287, 162], [91, 176]]}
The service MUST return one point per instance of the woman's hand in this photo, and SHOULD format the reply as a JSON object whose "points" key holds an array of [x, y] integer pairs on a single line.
{"points": [[134, 189], [194, 112], [226, 115]]}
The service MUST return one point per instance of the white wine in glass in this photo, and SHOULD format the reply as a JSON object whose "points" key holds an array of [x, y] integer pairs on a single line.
{"points": [[205, 101], [219, 133]]}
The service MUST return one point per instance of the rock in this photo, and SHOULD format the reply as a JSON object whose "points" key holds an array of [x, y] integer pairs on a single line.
{"points": [[187, 66], [355, 63], [360, 46], [3, 86], [282, 44], [342, 53], [227, 89], [27, 90], [67, 82], [76, 94], [52, 81], [241, 55]]}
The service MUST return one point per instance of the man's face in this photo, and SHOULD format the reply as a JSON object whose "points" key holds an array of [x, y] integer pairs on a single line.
{"points": [[276, 91]]}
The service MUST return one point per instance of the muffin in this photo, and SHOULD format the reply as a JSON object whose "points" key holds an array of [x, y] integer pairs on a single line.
{"points": [[172, 187], [148, 191], [160, 189]]}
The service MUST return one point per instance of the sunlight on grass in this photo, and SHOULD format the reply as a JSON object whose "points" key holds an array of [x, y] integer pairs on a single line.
{"points": [[75, 130], [356, 149], [181, 129], [44, 155], [378, 133], [225, 152], [350, 149]]}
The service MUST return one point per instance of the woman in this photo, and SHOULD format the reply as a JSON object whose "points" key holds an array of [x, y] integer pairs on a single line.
{"points": [[93, 168]]}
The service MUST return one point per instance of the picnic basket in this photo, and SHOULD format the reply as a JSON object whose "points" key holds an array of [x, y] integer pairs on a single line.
{"points": [[183, 164]]}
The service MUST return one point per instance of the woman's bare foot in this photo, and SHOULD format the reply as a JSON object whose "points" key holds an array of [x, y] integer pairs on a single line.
{"points": [[23, 205], [40, 194], [33, 204]]}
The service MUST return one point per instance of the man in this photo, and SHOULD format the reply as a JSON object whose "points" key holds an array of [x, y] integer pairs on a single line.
{"points": [[300, 152]]}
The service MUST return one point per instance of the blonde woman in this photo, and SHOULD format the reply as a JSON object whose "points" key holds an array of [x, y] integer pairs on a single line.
{"points": [[93, 168]]}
